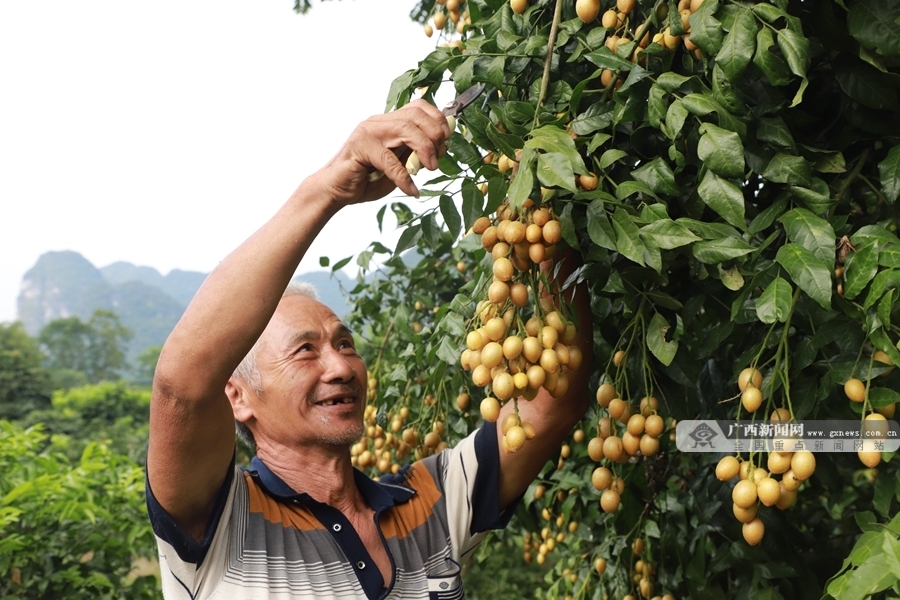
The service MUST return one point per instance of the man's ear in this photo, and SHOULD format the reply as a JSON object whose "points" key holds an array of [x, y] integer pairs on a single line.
{"points": [[239, 393]]}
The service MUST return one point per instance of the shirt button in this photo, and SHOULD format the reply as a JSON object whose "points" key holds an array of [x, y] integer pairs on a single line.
{"points": [[360, 565], [336, 527]]}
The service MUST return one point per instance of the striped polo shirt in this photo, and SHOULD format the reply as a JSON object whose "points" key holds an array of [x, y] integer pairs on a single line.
{"points": [[265, 541]]}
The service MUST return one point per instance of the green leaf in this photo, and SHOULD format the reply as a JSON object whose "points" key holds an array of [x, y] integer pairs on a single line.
{"points": [[408, 239], [451, 216], [628, 187], [738, 45], [767, 216], [881, 397], [656, 105], [611, 156], [607, 59], [874, 25], [889, 174], [398, 87], [658, 176], [554, 169], [889, 257], [769, 63], [656, 340], [599, 229], [675, 117], [807, 271], [709, 231], [666, 233], [774, 304], [812, 232], [721, 151], [523, 182], [472, 201], [775, 132], [814, 200], [628, 237], [671, 81], [731, 278], [859, 269], [787, 168], [706, 31], [723, 197], [796, 50], [720, 250]]}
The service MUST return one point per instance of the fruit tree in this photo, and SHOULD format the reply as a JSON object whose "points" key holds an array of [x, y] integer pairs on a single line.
{"points": [[725, 175]]}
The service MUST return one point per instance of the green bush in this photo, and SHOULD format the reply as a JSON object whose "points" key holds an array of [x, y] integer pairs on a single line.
{"points": [[70, 529]]}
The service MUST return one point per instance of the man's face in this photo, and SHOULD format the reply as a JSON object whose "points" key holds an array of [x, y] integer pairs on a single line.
{"points": [[312, 379]]}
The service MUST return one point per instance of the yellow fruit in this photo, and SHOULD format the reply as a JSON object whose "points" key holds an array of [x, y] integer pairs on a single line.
{"points": [[440, 19], [462, 401], [613, 448], [745, 515], [587, 10], [780, 414], [753, 531], [786, 498], [744, 494], [503, 386], [605, 393], [855, 390], [600, 565], [637, 546], [617, 407], [654, 425], [779, 463], [636, 424], [552, 232], [803, 464], [515, 438], [429, 30], [610, 19], [750, 376], [751, 399], [870, 458], [619, 358], [883, 358], [588, 181], [625, 6], [727, 468], [601, 478], [631, 443], [490, 409], [595, 449], [609, 500], [769, 491], [518, 6], [790, 481]]}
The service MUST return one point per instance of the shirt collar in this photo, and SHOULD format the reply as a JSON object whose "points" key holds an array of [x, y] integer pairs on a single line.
{"points": [[375, 494]]}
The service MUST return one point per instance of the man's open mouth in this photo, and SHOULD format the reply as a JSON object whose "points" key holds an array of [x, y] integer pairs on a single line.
{"points": [[334, 401]]}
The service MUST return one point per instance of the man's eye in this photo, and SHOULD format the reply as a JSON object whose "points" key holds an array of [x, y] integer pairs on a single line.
{"points": [[346, 344]]}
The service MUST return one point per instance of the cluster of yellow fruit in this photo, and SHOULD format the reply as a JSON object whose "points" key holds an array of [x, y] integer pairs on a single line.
{"points": [[855, 390], [539, 545], [453, 11], [513, 355], [640, 437], [757, 485], [385, 451], [643, 570]]}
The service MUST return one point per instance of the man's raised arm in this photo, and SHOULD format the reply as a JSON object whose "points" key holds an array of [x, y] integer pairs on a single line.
{"points": [[191, 420]]}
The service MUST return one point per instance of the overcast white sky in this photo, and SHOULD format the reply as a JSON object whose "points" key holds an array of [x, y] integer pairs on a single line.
{"points": [[165, 133]]}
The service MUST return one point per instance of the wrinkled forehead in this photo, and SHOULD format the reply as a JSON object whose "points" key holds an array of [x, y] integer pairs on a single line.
{"points": [[301, 316]]}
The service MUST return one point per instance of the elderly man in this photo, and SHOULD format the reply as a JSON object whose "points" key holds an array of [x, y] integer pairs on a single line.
{"points": [[301, 522]]}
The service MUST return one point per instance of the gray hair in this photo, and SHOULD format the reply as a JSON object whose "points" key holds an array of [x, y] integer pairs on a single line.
{"points": [[248, 369]]}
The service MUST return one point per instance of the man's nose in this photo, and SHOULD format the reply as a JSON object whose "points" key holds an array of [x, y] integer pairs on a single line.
{"points": [[337, 367]]}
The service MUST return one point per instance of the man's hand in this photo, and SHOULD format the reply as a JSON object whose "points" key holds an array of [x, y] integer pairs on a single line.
{"points": [[383, 143]]}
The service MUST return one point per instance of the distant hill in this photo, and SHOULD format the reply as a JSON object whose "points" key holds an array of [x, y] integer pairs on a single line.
{"points": [[65, 284]]}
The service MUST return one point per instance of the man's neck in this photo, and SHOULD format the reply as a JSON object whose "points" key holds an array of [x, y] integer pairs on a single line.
{"points": [[325, 474]]}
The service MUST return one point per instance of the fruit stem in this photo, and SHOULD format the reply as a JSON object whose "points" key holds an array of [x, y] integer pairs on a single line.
{"points": [[548, 60], [852, 175]]}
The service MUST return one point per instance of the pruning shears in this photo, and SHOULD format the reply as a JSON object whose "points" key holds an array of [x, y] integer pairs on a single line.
{"points": [[451, 111]]}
